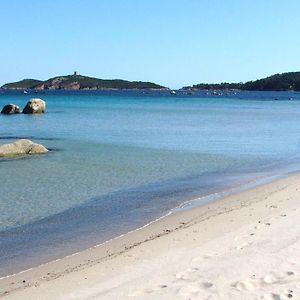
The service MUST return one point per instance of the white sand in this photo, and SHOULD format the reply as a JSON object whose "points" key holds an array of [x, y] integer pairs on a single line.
{"points": [[246, 246]]}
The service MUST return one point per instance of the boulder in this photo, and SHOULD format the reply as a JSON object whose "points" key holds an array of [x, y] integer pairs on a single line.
{"points": [[35, 106], [21, 147], [10, 109]]}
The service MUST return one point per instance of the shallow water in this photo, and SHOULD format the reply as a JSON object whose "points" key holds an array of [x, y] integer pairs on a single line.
{"points": [[120, 160]]}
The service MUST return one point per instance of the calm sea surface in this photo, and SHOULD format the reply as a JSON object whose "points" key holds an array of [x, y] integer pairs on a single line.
{"points": [[120, 160]]}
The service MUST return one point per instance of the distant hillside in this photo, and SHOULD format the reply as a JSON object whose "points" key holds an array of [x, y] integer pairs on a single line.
{"points": [[23, 84], [279, 82], [215, 86], [79, 82]]}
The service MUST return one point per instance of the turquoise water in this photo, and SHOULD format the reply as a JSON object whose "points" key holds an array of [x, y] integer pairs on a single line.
{"points": [[118, 161]]}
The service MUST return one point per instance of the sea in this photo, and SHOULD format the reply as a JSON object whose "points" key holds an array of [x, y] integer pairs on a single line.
{"points": [[121, 159]]}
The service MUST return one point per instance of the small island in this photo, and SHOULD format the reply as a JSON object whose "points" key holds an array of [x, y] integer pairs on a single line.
{"points": [[279, 82], [79, 82]]}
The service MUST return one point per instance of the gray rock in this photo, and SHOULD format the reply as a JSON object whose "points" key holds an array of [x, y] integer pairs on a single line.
{"points": [[35, 106], [21, 147], [10, 109]]}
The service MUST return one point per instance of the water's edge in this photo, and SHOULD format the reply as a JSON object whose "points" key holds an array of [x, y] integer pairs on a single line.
{"points": [[186, 205]]}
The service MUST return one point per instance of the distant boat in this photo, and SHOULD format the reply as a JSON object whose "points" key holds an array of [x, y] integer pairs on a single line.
{"points": [[216, 93], [173, 93], [25, 92]]}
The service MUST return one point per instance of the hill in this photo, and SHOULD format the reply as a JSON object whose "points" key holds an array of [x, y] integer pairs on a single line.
{"points": [[279, 82], [79, 82], [21, 85]]}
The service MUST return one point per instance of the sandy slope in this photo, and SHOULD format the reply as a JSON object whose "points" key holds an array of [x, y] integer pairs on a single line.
{"points": [[246, 246]]}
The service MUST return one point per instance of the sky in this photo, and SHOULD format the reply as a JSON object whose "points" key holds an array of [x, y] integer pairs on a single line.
{"points": [[170, 42]]}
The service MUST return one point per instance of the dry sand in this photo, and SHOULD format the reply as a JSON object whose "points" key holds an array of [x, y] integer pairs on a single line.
{"points": [[245, 246]]}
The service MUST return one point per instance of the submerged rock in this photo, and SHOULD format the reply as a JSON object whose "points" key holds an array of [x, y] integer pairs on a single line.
{"points": [[35, 106], [10, 109], [21, 147]]}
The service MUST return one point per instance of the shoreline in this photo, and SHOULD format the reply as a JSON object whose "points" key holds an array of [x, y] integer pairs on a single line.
{"points": [[27, 251], [184, 206], [113, 250]]}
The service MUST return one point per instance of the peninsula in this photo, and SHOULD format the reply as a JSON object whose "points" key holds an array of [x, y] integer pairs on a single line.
{"points": [[279, 82], [79, 82]]}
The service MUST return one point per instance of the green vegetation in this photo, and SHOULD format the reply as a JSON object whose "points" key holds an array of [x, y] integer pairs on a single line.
{"points": [[79, 82], [278, 82], [215, 86], [23, 84]]}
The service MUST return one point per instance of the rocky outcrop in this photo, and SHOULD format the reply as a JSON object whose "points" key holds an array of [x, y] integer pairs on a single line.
{"points": [[35, 106], [10, 109], [21, 147]]}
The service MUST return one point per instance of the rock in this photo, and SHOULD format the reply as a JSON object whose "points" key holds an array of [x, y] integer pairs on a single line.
{"points": [[37, 149], [10, 109], [21, 147], [35, 106]]}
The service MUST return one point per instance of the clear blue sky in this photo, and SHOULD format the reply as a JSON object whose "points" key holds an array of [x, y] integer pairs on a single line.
{"points": [[171, 42]]}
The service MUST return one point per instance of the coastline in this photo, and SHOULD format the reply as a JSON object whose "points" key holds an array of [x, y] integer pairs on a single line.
{"points": [[21, 264], [165, 237]]}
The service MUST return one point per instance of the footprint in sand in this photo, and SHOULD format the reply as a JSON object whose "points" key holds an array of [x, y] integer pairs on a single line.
{"points": [[278, 277], [182, 276], [268, 280], [191, 270], [243, 285], [193, 290], [189, 274], [273, 296], [192, 275]]}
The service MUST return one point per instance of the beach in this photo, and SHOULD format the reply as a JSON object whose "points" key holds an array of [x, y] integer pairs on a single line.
{"points": [[245, 246], [149, 150], [119, 160]]}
